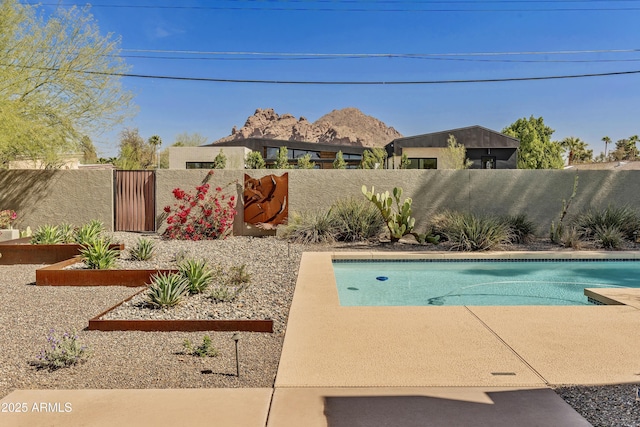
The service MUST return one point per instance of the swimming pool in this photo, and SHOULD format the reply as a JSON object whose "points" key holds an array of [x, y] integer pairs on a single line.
{"points": [[478, 282]]}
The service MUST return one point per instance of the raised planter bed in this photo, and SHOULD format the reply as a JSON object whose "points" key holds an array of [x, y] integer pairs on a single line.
{"points": [[243, 325], [20, 251], [56, 275]]}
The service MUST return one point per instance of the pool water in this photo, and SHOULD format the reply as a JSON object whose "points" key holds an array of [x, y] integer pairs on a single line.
{"points": [[441, 283]]}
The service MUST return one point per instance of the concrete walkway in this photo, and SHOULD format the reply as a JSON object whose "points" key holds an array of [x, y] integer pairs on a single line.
{"points": [[395, 366]]}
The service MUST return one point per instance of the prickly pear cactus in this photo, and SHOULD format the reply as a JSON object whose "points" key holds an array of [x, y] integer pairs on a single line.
{"points": [[398, 220]]}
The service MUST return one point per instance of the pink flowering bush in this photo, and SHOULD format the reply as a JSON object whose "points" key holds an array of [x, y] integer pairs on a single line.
{"points": [[200, 216], [7, 216]]}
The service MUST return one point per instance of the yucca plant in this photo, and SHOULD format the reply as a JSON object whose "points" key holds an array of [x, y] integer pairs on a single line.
{"points": [[608, 236], [356, 219], [46, 235], [89, 232], [623, 218], [143, 250], [522, 229], [469, 232], [314, 226], [98, 255], [197, 274], [167, 290]]}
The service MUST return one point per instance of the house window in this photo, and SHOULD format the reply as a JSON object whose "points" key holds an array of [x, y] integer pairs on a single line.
{"points": [[423, 163], [199, 165]]}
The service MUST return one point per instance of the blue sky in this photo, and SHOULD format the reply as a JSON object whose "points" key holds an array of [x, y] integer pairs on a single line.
{"points": [[588, 108]]}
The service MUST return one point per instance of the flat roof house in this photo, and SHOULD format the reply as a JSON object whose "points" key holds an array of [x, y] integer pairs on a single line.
{"points": [[322, 154], [487, 149]]}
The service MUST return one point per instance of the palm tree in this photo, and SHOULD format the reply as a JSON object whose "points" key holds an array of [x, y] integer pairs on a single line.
{"points": [[606, 141], [570, 143]]}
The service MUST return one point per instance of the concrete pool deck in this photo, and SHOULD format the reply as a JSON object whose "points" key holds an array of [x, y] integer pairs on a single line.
{"points": [[454, 365]]}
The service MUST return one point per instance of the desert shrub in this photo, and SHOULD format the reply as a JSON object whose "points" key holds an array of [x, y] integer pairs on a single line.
{"points": [[197, 274], [522, 229], [356, 220], [230, 283], [61, 351], [98, 255], [313, 226], [167, 290], [571, 238], [89, 232], [621, 218], [608, 236], [206, 349], [202, 215], [143, 250], [470, 232]]}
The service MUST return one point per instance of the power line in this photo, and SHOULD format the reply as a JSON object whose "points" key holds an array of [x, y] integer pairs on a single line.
{"points": [[342, 83], [262, 7], [382, 55], [434, 58]]}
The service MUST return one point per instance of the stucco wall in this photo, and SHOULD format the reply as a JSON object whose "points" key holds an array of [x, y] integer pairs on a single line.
{"points": [[53, 197], [77, 196]]}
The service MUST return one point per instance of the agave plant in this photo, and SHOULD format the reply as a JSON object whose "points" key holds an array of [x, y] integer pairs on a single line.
{"points": [[98, 255], [66, 233], [167, 290], [143, 250], [89, 232], [197, 274], [46, 235]]}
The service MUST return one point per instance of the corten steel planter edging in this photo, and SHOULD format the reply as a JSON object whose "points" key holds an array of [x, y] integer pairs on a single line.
{"points": [[244, 325], [55, 275], [20, 251]]}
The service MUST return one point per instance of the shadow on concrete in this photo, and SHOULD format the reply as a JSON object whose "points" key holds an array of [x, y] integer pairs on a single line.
{"points": [[522, 408]]}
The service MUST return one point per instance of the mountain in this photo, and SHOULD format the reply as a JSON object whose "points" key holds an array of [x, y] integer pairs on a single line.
{"points": [[348, 126]]}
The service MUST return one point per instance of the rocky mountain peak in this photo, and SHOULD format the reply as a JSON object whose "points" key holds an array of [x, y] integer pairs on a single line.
{"points": [[348, 126]]}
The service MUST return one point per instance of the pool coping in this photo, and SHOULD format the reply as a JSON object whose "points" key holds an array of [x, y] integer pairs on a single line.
{"points": [[328, 345]]}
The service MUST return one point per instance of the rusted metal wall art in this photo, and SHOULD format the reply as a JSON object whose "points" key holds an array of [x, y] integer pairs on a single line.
{"points": [[266, 200]]}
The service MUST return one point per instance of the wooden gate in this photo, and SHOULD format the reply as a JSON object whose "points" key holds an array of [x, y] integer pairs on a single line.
{"points": [[135, 200]]}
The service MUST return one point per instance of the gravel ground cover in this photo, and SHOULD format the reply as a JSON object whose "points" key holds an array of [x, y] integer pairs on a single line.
{"points": [[155, 360]]}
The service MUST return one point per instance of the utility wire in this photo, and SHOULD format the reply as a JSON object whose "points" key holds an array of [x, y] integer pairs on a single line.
{"points": [[343, 83], [286, 54], [346, 9]]}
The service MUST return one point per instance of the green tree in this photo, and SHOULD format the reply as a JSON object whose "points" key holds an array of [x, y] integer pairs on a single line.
{"points": [[282, 159], [220, 161], [536, 150], [305, 162], [58, 79], [182, 140], [339, 162], [577, 150], [186, 139], [156, 142], [254, 160], [626, 149], [89, 155], [134, 152], [606, 141], [404, 162], [373, 159], [455, 155]]}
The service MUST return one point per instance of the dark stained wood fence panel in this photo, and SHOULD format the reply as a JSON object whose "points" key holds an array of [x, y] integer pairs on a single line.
{"points": [[135, 194]]}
